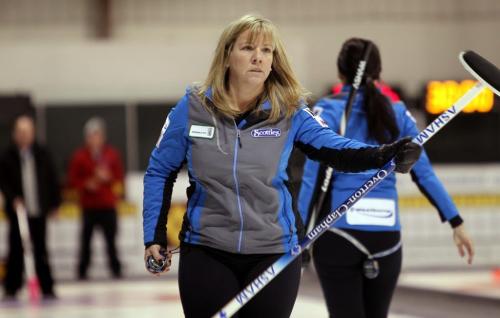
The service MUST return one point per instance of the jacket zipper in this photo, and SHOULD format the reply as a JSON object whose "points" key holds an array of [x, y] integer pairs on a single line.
{"points": [[237, 144], [238, 136]]}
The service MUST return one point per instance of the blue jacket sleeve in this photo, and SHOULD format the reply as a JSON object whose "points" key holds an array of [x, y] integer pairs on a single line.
{"points": [[325, 108], [322, 144], [307, 195], [425, 178], [165, 161]]}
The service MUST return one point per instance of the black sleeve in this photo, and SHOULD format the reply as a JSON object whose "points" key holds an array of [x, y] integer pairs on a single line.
{"points": [[160, 235], [6, 177], [348, 159]]}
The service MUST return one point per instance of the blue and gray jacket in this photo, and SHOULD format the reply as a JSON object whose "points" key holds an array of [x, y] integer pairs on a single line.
{"points": [[378, 211], [238, 199]]}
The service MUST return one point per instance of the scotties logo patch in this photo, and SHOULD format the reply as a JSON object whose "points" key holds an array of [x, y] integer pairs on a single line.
{"points": [[266, 133]]}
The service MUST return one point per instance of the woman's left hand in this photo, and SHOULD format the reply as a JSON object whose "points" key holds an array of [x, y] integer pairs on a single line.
{"points": [[404, 151], [407, 155], [463, 243]]}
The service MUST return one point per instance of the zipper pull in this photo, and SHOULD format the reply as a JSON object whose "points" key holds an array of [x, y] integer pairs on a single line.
{"points": [[238, 134]]}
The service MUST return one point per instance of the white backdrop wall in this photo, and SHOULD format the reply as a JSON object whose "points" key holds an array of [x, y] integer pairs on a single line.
{"points": [[158, 47]]}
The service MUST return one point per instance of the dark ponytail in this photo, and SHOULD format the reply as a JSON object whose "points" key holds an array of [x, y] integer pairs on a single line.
{"points": [[381, 119]]}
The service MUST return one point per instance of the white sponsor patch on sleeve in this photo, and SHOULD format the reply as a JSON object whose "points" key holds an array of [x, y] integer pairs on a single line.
{"points": [[321, 121], [317, 110], [411, 116], [163, 129], [316, 117]]}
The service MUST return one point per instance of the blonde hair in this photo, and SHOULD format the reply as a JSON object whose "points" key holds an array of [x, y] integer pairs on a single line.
{"points": [[281, 88]]}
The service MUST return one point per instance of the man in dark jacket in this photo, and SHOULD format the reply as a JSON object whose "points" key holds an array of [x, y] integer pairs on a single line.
{"points": [[28, 178]]}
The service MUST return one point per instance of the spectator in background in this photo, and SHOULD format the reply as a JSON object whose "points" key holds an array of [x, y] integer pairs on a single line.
{"points": [[28, 178], [96, 171]]}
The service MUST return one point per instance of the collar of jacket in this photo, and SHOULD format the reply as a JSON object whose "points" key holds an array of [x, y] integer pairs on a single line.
{"points": [[13, 149], [358, 99], [346, 88]]}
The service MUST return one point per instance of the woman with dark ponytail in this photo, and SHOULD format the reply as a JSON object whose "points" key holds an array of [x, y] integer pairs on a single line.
{"points": [[359, 260]]}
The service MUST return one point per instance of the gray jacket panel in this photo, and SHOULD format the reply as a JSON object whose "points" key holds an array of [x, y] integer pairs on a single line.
{"points": [[242, 211]]}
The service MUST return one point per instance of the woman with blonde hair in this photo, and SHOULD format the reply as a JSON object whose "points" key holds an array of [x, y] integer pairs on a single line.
{"points": [[236, 132]]}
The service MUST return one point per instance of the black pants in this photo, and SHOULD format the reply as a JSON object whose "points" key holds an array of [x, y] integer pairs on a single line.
{"points": [[15, 261], [107, 221], [348, 293], [210, 278]]}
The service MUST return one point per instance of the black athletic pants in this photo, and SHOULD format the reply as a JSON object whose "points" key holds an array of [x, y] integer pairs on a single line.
{"points": [[348, 293], [105, 219], [15, 261], [210, 278]]}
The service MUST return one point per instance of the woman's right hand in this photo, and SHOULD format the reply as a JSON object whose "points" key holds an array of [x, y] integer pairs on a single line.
{"points": [[464, 243], [154, 250]]}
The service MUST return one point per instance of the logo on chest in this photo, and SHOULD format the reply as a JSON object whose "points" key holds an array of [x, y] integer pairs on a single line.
{"points": [[266, 133], [199, 131]]}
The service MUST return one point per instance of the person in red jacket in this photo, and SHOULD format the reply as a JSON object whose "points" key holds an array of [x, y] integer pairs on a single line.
{"points": [[96, 172]]}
